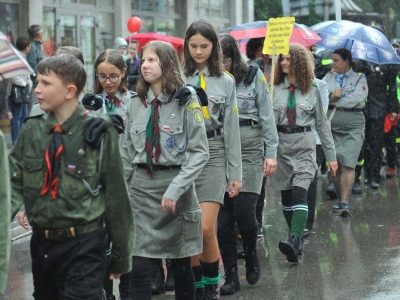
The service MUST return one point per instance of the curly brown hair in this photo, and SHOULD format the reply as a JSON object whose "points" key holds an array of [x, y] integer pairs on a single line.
{"points": [[301, 67], [169, 63]]}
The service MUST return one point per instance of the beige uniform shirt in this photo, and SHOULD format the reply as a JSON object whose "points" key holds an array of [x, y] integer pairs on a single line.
{"points": [[183, 139], [223, 111]]}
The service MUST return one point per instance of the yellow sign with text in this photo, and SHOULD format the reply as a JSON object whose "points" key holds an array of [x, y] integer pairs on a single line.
{"points": [[279, 31]]}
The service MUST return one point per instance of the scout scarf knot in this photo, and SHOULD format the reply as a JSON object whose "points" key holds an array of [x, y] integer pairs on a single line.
{"points": [[53, 162], [202, 83], [113, 102], [291, 105]]}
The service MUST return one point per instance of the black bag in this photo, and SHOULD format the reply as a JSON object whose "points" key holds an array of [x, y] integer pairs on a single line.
{"points": [[19, 94]]}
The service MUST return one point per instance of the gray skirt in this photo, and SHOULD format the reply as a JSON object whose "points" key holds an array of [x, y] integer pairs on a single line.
{"points": [[159, 235], [348, 131], [252, 159], [212, 182], [296, 158]]}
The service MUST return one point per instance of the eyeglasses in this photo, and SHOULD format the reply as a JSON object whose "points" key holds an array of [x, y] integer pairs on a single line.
{"points": [[226, 62], [103, 78]]}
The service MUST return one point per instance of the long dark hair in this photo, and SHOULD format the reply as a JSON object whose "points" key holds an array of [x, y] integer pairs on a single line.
{"points": [[345, 54], [230, 49], [114, 58], [207, 30], [169, 63]]}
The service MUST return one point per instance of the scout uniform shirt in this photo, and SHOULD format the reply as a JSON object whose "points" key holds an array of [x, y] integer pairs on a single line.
{"points": [[355, 89], [124, 98], [254, 104], [309, 111], [223, 114], [74, 204], [183, 140]]}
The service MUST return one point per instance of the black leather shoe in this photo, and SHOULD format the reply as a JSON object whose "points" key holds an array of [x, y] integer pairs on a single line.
{"points": [[345, 209], [232, 284], [157, 282], [374, 184], [170, 281], [331, 191], [290, 248], [252, 267], [306, 233], [260, 231], [199, 294], [336, 208], [357, 188]]}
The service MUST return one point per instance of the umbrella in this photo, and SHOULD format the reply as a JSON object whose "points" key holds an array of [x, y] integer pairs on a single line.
{"points": [[12, 63], [301, 34], [364, 42], [145, 37]]}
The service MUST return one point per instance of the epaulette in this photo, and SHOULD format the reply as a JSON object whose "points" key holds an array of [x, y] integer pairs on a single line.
{"points": [[229, 74], [193, 105], [32, 117]]}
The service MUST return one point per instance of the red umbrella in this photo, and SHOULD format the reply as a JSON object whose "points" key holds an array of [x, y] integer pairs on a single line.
{"points": [[301, 34], [144, 37]]}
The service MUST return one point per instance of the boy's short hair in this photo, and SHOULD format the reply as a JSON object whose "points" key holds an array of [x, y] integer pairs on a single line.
{"points": [[71, 51], [22, 42], [67, 67]]}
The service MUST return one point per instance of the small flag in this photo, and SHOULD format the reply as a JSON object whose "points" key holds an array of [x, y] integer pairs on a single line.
{"points": [[71, 167], [166, 127]]}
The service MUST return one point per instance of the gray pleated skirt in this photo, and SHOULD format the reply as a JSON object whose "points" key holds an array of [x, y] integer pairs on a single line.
{"points": [[348, 131], [212, 181], [252, 159], [296, 158], [159, 235]]}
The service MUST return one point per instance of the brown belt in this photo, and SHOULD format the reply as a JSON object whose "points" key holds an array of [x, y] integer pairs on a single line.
{"points": [[59, 235]]}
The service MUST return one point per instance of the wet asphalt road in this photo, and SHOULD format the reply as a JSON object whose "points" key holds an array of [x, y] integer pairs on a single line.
{"points": [[345, 258]]}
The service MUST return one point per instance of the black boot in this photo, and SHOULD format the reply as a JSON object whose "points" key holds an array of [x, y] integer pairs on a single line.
{"points": [[157, 282], [232, 283], [198, 277], [291, 248], [199, 294], [170, 282], [252, 267], [211, 292]]}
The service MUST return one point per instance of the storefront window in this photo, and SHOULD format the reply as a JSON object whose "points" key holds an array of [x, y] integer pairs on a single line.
{"points": [[147, 24], [9, 21], [49, 30], [106, 25]]}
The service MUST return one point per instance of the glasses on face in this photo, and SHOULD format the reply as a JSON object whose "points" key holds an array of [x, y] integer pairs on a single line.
{"points": [[103, 78], [226, 62]]}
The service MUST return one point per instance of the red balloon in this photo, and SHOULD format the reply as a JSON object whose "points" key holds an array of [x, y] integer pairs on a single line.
{"points": [[134, 24]]}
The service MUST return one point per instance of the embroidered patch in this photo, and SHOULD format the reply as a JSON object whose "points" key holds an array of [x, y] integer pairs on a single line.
{"points": [[71, 167], [198, 117], [301, 105], [193, 106], [261, 79], [212, 98], [235, 110], [215, 109], [240, 95], [170, 142], [245, 104], [304, 114], [166, 127]]}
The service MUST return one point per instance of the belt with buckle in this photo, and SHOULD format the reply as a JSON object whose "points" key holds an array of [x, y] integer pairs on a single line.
{"points": [[158, 167], [290, 130], [347, 109], [60, 234], [247, 123], [213, 133]]}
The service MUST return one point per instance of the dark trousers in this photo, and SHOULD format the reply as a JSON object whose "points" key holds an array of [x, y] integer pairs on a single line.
{"points": [[260, 203], [142, 273], [391, 149], [374, 139], [19, 112], [241, 210], [70, 269]]}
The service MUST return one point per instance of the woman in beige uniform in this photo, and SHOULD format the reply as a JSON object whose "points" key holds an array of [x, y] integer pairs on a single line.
{"points": [[297, 106]]}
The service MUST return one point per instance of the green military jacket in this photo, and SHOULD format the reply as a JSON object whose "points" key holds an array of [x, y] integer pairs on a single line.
{"points": [[74, 204], [5, 216]]}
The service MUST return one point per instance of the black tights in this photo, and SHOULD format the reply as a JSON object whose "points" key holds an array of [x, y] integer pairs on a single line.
{"points": [[241, 210], [142, 273]]}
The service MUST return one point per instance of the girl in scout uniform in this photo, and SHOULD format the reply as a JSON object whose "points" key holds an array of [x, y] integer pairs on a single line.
{"points": [[297, 106], [257, 126], [347, 93], [111, 81], [202, 67], [167, 144]]}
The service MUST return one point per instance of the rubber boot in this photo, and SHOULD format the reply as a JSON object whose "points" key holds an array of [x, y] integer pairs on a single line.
{"points": [[210, 279], [157, 282], [252, 267], [170, 282]]}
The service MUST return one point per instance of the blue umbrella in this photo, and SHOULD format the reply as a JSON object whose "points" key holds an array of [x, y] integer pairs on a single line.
{"points": [[363, 41]]}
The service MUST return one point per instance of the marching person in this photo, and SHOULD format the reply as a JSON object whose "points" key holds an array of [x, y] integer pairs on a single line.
{"points": [[163, 151], [347, 93], [133, 64], [202, 67], [257, 126], [297, 105], [68, 195]]}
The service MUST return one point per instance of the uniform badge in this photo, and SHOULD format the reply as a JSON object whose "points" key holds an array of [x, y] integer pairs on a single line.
{"points": [[304, 114], [235, 110], [71, 167], [301, 105], [172, 116], [245, 104], [215, 109], [198, 117], [240, 95], [166, 127], [170, 142], [261, 79], [212, 98], [81, 152]]}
